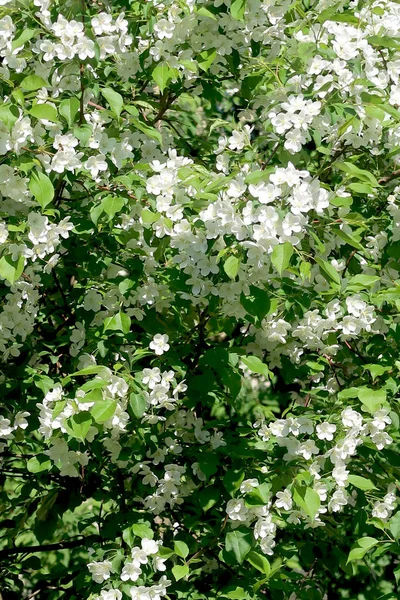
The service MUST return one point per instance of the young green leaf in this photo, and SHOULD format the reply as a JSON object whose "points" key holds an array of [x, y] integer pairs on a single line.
{"points": [[360, 548], [162, 75], [231, 266], [307, 499], [69, 109], [180, 571], [238, 544], [256, 365], [114, 99], [41, 188], [119, 322], [103, 410], [31, 83], [11, 270], [237, 9], [362, 483], [259, 562], [138, 404], [44, 111], [281, 256], [181, 549]]}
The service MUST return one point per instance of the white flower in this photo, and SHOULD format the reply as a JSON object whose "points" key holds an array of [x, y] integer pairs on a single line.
{"points": [[284, 499], [159, 344], [94, 164], [5, 427], [351, 418], [130, 572], [307, 449], [381, 419], [325, 431], [102, 24], [149, 546], [236, 509], [380, 511], [100, 571], [248, 485], [340, 474], [164, 29], [85, 48], [110, 595]]}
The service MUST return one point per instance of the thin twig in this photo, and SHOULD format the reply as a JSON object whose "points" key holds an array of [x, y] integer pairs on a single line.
{"points": [[388, 178], [47, 547]]}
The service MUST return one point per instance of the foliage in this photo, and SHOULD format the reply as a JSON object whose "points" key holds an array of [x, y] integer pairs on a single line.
{"points": [[199, 327]]}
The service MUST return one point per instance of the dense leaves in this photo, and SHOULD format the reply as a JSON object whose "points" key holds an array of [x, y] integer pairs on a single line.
{"points": [[199, 330]]}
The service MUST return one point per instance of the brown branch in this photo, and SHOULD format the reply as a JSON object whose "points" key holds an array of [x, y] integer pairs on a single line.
{"points": [[90, 103], [47, 547], [166, 102], [81, 73], [388, 178]]}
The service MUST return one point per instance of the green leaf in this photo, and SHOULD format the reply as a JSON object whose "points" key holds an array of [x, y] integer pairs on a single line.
{"points": [[39, 463], [44, 111], [151, 132], [259, 562], [256, 365], [361, 188], [208, 498], [238, 544], [362, 282], [394, 525], [165, 552], [349, 239], [206, 59], [95, 370], [9, 115], [180, 571], [358, 173], [257, 303], [233, 480], [328, 271], [231, 266], [307, 499], [372, 399], [143, 531], [181, 549], [149, 217], [112, 205], [384, 41], [396, 574], [119, 322], [234, 593], [69, 109], [281, 256], [11, 270], [204, 12], [376, 370], [24, 37], [361, 547], [115, 100], [33, 83], [237, 9], [138, 404], [362, 483], [41, 188], [78, 425], [162, 75], [103, 410]]}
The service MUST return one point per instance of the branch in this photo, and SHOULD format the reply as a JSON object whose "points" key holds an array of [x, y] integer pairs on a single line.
{"points": [[166, 101], [82, 73], [388, 178], [47, 547]]}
